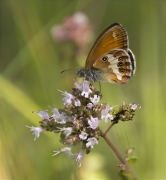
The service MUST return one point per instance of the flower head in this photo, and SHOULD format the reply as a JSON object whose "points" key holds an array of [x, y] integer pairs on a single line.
{"points": [[95, 99], [66, 131], [78, 121], [83, 135], [93, 122], [77, 102], [76, 29], [36, 131], [105, 114], [67, 150], [68, 98], [84, 88], [59, 117], [135, 106], [79, 157], [43, 114], [90, 105], [91, 142]]}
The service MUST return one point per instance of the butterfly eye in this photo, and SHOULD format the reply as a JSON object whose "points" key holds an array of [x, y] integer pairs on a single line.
{"points": [[104, 58]]}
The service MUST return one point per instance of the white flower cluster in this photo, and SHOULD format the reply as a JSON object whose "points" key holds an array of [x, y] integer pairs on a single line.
{"points": [[79, 120]]}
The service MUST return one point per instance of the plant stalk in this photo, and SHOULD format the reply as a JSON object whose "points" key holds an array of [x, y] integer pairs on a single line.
{"points": [[121, 159]]}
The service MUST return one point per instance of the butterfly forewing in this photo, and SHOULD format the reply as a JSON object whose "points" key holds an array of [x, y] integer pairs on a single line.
{"points": [[113, 37]]}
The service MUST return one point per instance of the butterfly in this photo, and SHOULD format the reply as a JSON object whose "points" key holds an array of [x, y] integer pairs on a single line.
{"points": [[110, 58]]}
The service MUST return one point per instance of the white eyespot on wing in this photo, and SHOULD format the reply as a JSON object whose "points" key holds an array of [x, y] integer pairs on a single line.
{"points": [[113, 65], [114, 35]]}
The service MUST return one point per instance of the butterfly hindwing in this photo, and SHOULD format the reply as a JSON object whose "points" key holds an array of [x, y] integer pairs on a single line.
{"points": [[115, 66]]}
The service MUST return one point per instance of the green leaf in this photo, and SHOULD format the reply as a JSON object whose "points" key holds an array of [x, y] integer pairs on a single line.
{"points": [[131, 160], [125, 175]]}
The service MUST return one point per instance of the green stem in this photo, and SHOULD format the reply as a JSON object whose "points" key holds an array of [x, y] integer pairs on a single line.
{"points": [[121, 159], [109, 128]]}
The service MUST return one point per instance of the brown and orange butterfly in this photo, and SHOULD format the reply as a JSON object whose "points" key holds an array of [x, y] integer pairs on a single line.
{"points": [[110, 58]]}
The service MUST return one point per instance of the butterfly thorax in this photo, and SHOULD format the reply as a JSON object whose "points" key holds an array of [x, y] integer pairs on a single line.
{"points": [[91, 74]]}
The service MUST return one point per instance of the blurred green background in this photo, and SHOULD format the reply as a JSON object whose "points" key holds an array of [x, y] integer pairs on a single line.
{"points": [[30, 65]]}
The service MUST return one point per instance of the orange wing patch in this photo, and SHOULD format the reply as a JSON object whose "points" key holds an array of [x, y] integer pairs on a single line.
{"points": [[113, 37], [115, 66]]}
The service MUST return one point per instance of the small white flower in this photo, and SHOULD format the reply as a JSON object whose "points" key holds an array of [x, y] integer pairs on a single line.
{"points": [[134, 106], [93, 122], [83, 135], [79, 157], [36, 131], [55, 113], [77, 102], [95, 99], [84, 88], [90, 105], [67, 131], [67, 150], [67, 100], [78, 85], [59, 117], [91, 142], [43, 114], [106, 115]]}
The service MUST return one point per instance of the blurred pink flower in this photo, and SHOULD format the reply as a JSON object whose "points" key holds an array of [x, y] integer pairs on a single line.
{"points": [[76, 29]]}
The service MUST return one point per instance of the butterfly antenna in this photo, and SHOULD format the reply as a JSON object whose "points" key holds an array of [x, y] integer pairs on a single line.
{"points": [[67, 70]]}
